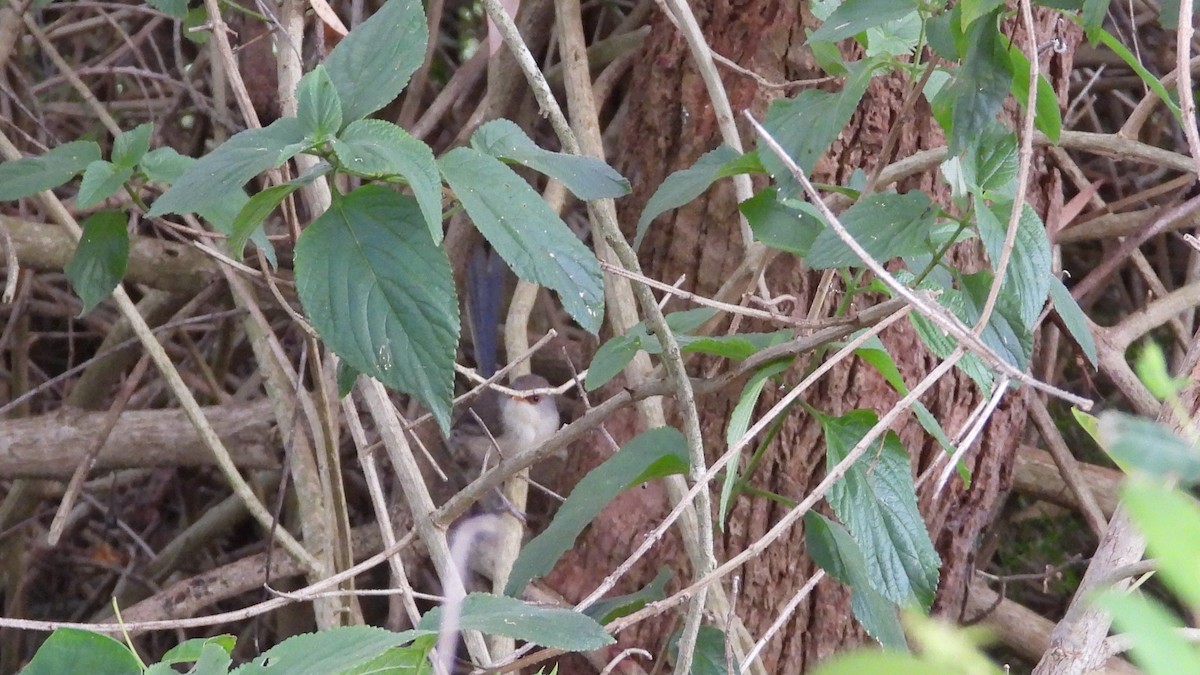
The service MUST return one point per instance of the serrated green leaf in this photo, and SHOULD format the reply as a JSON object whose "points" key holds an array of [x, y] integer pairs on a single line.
{"points": [[554, 627], [835, 551], [412, 660], [1027, 278], [31, 175], [101, 180], [1170, 521], [652, 454], [990, 162], [67, 648], [982, 84], [1138, 444], [380, 149], [709, 656], [806, 125], [317, 105], [130, 146], [212, 178], [189, 651], [1073, 318], [586, 177], [381, 294], [1006, 331], [527, 233], [1046, 115], [876, 354], [99, 261], [329, 651], [683, 186], [878, 503], [854, 16], [942, 344], [611, 609], [790, 225], [1158, 646], [887, 225], [251, 216], [371, 65]]}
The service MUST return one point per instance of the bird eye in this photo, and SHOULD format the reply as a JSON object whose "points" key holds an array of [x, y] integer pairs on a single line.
{"points": [[534, 399]]}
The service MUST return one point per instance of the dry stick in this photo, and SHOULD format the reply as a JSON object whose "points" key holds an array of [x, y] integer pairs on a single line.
{"points": [[1068, 467], [175, 383], [935, 313], [1187, 100], [697, 528], [75, 485], [420, 504], [1025, 159]]}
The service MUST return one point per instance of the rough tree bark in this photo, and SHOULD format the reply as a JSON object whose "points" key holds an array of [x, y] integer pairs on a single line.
{"points": [[668, 126]]}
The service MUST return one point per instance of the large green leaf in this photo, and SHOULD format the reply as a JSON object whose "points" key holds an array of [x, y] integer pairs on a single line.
{"points": [[941, 344], [1027, 278], [834, 550], [329, 651], [1170, 521], [554, 627], [790, 225], [317, 105], [31, 175], [878, 503], [250, 218], [100, 259], [683, 186], [854, 16], [380, 149], [1158, 645], [652, 454], [586, 177], [372, 64], [526, 232], [67, 648], [381, 294], [806, 125], [222, 172], [1006, 331], [887, 225], [1140, 445], [982, 84]]}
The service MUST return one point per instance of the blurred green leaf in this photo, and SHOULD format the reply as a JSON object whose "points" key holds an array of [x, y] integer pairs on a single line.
{"points": [[1140, 444]]}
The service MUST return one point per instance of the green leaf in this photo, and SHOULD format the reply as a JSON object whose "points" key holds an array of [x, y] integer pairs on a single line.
{"points": [[1093, 15], [1135, 64], [176, 9], [874, 661], [806, 125], [739, 424], [101, 180], [876, 354], [944, 33], [747, 162], [330, 651], [737, 346], [854, 16], [787, 225], [877, 501], [973, 10], [189, 651], [554, 627], [130, 146], [67, 648], [835, 551], [1170, 521], [100, 259], [586, 177], [371, 65], [1027, 278], [346, 378], [652, 454], [231, 165], [990, 162], [982, 84], [412, 659], [381, 295], [31, 175], [709, 655], [527, 233], [1151, 369], [380, 149], [1158, 647], [887, 225], [251, 216], [683, 186], [1006, 331], [611, 358], [942, 344], [211, 656], [1073, 318], [1046, 115], [611, 609], [1138, 444], [317, 105]]}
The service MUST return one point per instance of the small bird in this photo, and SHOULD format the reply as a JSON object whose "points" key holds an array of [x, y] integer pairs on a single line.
{"points": [[517, 423]]}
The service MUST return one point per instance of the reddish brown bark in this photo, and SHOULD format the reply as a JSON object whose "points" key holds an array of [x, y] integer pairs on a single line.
{"points": [[669, 125]]}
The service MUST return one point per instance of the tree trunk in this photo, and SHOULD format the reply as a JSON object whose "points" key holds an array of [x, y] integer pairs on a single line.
{"points": [[668, 126]]}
